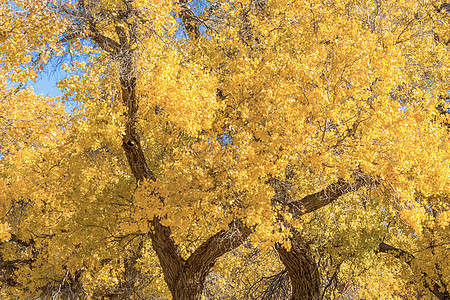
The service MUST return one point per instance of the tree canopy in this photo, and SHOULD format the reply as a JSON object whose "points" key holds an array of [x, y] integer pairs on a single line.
{"points": [[254, 149]]}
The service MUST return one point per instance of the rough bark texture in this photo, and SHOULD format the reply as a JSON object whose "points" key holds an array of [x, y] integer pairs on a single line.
{"points": [[435, 287], [186, 278], [302, 268]]}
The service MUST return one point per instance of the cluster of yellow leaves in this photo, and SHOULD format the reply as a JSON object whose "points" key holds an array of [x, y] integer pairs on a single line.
{"points": [[414, 218], [185, 92], [324, 88], [4, 232], [444, 219], [31, 127], [26, 118], [29, 34]]}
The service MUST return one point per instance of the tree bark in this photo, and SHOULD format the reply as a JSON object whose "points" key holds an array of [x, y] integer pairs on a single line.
{"points": [[185, 278], [302, 268]]}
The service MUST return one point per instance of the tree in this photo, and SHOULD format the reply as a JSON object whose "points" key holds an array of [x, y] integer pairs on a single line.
{"points": [[262, 114]]}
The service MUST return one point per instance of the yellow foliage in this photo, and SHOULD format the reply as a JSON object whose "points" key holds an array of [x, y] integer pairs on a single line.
{"points": [[4, 232], [307, 92]]}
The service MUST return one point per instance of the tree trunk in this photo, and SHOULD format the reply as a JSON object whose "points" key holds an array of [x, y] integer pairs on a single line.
{"points": [[185, 277], [302, 268], [189, 286]]}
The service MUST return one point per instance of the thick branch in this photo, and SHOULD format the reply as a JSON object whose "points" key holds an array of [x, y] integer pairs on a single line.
{"points": [[217, 245], [122, 35], [163, 244], [317, 200], [442, 293], [107, 44], [326, 196], [397, 253], [131, 140], [168, 255]]}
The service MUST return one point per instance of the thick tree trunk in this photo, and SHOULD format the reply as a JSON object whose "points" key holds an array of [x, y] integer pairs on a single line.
{"points": [[189, 286], [302, 268], [185, 278]]}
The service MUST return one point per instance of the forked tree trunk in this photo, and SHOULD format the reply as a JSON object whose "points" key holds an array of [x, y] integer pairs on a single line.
{"points": [[185, 277], [302, 268]]}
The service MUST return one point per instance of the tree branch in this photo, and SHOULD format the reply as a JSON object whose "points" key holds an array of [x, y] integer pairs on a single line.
{"points": [[107, 44], [167, 252], [326, 196], [441, 292], [190, 21], [397, 253], [217, 245], [319, 199]]}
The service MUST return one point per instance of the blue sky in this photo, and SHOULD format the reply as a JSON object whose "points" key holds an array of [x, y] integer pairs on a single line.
{"points": [[46, 85]]}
